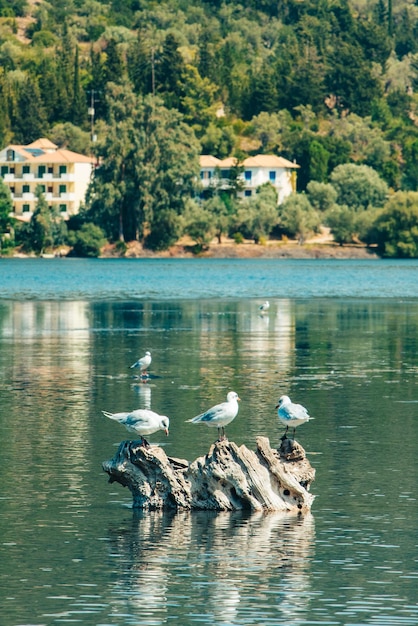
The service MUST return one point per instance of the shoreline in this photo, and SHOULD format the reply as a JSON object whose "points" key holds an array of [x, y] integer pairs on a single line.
{"points": [[231, 250]]}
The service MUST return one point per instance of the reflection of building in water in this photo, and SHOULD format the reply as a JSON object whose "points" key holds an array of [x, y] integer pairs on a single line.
{"points": [[271, 337], [50, 373], [31, 319], [143, 391], [217, 567]]}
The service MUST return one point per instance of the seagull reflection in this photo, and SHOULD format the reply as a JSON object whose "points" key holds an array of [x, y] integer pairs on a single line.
{"points": [[220, 566], [144, 394]]}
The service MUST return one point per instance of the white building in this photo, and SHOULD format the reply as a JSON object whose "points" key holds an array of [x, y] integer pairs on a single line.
{"points": [[257, 170], [63, 176]]}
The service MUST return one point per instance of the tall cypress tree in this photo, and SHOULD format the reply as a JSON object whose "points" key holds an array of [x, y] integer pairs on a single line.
{"points": [[114, 66], [29, 122], [79, 107], [169, 73]]}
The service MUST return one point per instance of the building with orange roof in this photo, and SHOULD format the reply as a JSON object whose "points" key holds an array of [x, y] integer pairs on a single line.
{"points": [[63, 176], [256, 171]]}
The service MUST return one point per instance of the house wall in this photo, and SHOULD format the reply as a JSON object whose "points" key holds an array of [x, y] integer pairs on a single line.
{"points": [[64, 182], [283, 179]]}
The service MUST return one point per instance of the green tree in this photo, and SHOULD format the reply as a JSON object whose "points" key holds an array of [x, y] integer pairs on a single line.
{"points": [[219, 213], [351, 79], [258, 215], [78, 112], [322, 196], [297, 217], [41, 225], [28, 120], [6, 207], [359, 186], [113, 67], [169, 73], [87, 241], [342, 222], [149, 167], [199, 224], [396, 228]]}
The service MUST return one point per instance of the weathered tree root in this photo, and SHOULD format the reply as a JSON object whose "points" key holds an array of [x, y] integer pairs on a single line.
{"points": [[228, 478]]}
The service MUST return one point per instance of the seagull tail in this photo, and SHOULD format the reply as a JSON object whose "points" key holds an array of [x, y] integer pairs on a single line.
{"points": [[115, 416], [194, 420]]}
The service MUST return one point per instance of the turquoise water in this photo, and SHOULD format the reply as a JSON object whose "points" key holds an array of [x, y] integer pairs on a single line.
{"points": [[145, 279], [72, 550]]}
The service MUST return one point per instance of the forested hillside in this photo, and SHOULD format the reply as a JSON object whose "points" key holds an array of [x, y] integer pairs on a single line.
{"points": [[322, 82]]}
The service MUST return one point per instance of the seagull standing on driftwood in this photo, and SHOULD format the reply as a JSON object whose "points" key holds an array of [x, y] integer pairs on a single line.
{"points": [[291, 415], [219, 415], [143, 363], [142, 421]]}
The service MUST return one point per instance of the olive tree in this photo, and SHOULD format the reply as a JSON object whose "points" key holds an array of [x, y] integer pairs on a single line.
{"points": [[297, 217], [358, 186]]}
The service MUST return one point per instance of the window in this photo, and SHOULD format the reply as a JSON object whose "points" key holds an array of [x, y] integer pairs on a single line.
{"points": [[10, 155], [50, 170], [26, 169], [63, 169], [41, 171], [4, 170], [26, 208], [63, 189], [248, 175], [272, 177], [42, 188], [49, 189], [63, 208], [25, 189], [247, 193]]}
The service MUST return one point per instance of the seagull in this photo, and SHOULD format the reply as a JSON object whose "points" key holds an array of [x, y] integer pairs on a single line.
{"points": [[141, 421], [219, 415], [265, 306], [291, 414], [143, 363]]}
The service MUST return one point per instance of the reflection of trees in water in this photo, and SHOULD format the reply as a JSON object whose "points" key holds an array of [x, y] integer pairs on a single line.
{"points": [[213, 567]]}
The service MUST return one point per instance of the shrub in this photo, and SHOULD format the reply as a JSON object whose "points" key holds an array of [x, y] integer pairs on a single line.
{"points": [[88, 241]]}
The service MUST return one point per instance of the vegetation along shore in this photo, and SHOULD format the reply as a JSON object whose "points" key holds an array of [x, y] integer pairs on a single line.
{"points": [[129, 127]]}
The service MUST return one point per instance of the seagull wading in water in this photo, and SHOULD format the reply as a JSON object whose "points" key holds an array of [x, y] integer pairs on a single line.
{"points": [[265, 306], [219, 415], [143, 363], [142, 421], [291, 415]]}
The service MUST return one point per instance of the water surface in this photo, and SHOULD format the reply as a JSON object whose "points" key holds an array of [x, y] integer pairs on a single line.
{"points": [[139, 279], [72, 550]]}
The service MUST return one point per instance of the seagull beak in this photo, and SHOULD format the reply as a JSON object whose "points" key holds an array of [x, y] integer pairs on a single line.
{"points": [[166, 431], [277, 406]]}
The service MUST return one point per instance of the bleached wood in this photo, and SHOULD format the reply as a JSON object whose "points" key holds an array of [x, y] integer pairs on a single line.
{"points": [[228, 478]]}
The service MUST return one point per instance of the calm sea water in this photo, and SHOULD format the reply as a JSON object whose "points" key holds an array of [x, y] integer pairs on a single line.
{"points": [[72, 550]]}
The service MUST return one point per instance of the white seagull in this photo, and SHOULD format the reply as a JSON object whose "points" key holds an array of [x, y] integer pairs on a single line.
{"points": [[265, 306], [141, 421], [143, 363], [291, 415], [219, 415]]}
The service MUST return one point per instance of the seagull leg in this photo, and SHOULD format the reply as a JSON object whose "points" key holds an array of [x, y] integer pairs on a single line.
{"points": [[284, 436]]}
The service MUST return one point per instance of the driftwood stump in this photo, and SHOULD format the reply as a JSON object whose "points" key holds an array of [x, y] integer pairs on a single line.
{"points": [[228, 478]]}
